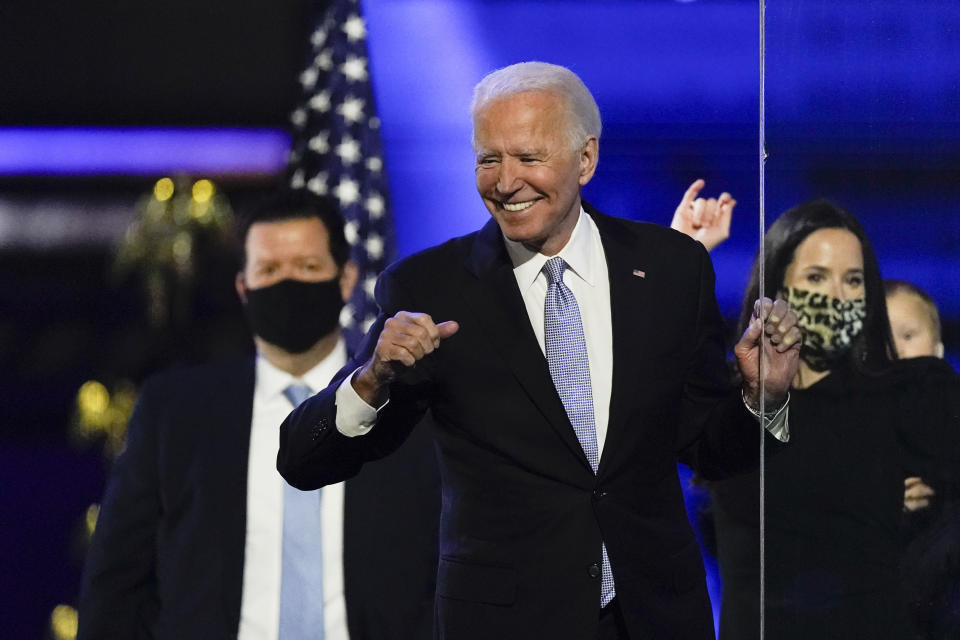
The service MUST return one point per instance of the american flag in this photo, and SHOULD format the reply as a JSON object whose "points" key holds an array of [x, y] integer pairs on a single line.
{"points": [[337, 150]]}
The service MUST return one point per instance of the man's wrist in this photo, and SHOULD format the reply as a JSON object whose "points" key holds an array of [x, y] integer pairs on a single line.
{"points": [[370, 390], [776, 422], [354, 416], [771, 406]]}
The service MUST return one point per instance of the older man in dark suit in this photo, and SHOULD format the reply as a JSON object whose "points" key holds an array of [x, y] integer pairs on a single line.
{"points": [[199, 537], [570, 359]]}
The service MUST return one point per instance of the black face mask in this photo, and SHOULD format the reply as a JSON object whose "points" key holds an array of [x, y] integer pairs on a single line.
{"points": [[293, 314]]}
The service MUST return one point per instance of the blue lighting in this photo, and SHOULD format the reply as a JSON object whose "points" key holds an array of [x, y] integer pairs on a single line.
{"points": [[126, 151]]}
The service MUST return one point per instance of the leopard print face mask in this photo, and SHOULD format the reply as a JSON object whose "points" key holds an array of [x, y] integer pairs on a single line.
{"points": [[829, 326]]}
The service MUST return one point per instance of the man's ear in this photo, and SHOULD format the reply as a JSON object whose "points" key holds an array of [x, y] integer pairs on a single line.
{"points": [[241, 287], [348, 279], [589, 156]]}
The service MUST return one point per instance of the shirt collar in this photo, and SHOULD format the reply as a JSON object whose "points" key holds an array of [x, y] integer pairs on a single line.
{"points": [[271, 381], [577, 253]]}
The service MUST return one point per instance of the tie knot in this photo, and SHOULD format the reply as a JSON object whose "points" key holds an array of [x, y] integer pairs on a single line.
{"points": [[554, 268], [297, 393]]}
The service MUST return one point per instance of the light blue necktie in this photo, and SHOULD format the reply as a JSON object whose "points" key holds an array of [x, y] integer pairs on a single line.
{"points": [[570, 370], [301, 582]]}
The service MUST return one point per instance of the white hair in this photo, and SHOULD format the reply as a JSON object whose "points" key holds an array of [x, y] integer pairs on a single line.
{"points": [[583, 119]]}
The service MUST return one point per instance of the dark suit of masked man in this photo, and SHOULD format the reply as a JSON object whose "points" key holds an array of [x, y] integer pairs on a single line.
{"points": [[200, 538]]}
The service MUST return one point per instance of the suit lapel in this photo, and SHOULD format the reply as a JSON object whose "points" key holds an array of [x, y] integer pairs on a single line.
{"points": [[630, 325], [497, 304]]}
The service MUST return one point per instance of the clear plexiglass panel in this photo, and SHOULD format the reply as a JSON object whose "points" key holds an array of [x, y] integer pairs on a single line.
{"points": [[860, 187]]}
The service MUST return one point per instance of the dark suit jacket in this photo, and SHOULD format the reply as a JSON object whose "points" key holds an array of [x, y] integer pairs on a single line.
{"points": [[167, 556], [523, 514]]}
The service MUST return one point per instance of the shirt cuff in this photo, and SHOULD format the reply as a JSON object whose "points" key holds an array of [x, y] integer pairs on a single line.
{"points": [[354, 416], [776, 422]]}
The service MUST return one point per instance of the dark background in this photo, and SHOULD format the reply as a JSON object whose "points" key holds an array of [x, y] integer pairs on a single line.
{"points": [[862, 104], [172, 62], [64, 318]]}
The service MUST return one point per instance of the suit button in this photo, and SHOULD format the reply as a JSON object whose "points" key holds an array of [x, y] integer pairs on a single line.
{"points": [[599, 494], [594, 570]]}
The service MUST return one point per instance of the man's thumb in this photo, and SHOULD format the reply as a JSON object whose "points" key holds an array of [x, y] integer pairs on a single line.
{"points": [[448, 328], [752, 334]]}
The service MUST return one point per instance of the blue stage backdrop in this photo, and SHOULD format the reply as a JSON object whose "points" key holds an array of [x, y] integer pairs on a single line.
{"points": [[671, 114], [861, 107], [861, 103]]}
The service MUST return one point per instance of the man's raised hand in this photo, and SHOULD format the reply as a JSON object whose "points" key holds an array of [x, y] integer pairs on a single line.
{"points": [[406, 339], [781, 352], [704, 219]]}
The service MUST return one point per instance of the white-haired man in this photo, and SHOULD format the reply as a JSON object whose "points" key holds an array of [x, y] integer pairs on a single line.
{"points": [[570, 359]]}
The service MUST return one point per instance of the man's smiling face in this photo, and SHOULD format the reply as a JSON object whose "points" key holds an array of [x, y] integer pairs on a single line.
{"points": [[527, 173]]}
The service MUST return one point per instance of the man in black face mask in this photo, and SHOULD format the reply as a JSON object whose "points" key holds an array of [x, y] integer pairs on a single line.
{"points": [[198, 535], [295, 279]]}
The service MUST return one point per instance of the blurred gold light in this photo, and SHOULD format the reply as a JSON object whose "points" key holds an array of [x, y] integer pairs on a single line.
{"points": [[202, 190], [63, 622], [93, 398], [90, 519], [100, 413], [200, 211], [163, 190], [182, 248]]}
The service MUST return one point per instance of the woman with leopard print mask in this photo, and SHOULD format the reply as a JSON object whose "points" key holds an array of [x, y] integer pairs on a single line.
{"points": [[860, 422]]}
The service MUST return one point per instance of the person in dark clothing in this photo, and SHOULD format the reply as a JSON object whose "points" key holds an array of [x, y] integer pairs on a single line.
{"points": [[197, 538], [861, 421], [930, 534]]}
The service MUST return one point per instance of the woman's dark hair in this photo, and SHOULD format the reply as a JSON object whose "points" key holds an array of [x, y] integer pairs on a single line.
{"points": [[873, 349]]}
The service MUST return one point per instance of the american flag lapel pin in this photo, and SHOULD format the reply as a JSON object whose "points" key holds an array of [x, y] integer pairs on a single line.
{"points": [[639, 273]]}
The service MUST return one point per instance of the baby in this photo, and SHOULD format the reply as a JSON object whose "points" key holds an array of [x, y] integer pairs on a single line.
{"points": [[914, 320], [915, 324]]}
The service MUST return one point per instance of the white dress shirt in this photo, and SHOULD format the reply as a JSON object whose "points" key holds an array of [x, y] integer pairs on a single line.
{"points": [[587, 278], [260, 603]]}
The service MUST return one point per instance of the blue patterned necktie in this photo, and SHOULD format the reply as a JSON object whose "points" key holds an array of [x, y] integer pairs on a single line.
{"points": [[301, 581], [570, 370]]}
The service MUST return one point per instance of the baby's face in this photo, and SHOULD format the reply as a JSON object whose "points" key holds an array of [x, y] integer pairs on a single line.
{"points": [[911, 327]]}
